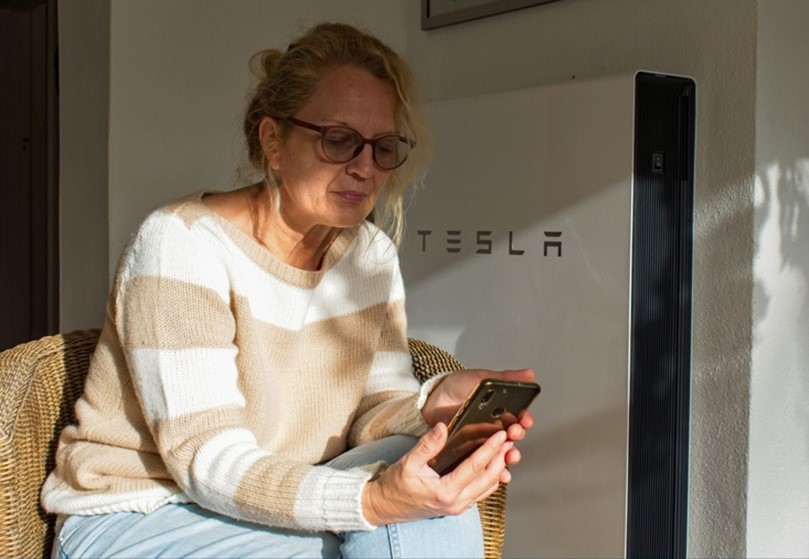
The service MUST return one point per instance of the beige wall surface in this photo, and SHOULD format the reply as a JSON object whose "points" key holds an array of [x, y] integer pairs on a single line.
{"points": [[177, 79]]}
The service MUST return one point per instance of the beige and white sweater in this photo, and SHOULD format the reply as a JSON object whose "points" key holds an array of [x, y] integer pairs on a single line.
{"points": [[223, 376]]}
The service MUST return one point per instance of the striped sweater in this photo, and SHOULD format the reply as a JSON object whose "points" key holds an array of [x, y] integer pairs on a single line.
{"points": [[223, 376]]}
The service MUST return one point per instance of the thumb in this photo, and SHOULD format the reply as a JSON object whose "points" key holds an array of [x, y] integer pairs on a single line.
{"points": [[429, 445]]}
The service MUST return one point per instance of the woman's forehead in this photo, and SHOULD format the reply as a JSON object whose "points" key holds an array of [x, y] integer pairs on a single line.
{"points": [[348, 93]]}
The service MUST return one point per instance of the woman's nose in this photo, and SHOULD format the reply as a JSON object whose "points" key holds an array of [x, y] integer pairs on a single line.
{"points": [[363, 164]]}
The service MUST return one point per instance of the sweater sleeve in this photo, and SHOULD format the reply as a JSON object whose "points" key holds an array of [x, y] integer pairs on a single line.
{"points": [[393, 397], [172, 308]]}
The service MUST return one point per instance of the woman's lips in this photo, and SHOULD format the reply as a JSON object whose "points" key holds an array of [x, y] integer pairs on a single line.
{"points": [[352, 196]]}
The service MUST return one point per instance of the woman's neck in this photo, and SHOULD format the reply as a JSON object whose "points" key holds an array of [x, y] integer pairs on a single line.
{"points": [[301, 249]]}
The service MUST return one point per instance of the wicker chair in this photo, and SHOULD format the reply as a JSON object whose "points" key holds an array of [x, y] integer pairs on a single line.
{"points": [[39, 383]]}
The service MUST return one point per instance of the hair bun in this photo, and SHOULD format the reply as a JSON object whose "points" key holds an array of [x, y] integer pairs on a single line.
{"points": [[264, 63]]}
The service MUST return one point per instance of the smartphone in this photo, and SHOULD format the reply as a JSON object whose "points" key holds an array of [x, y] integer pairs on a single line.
{"points": [[492, 406]]}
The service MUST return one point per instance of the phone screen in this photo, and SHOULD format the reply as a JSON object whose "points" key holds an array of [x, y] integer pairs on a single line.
{"points": [[491, 407]]}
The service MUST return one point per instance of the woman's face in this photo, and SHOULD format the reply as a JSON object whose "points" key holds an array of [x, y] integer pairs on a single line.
{"points": [[316, 191]]}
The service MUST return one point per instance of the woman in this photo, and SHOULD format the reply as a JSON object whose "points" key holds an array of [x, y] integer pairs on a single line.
{"points": [[252, 393]]}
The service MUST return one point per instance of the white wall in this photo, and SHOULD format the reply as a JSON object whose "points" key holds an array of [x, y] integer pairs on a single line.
{"points": [[177, 81], [715, 43], [778, 479]]}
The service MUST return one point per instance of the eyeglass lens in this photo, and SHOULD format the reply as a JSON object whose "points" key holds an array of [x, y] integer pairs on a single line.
{"points": [[344, 144]]}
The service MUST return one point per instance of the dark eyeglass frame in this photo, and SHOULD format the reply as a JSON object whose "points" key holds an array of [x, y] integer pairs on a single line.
{"points": [[323, 130]]}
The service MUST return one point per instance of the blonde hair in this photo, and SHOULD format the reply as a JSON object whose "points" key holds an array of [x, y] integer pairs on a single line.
{"points": [[286, 81]]}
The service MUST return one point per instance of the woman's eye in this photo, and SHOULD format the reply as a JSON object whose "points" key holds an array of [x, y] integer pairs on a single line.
{"points": [[387, 145], [337, 139]]}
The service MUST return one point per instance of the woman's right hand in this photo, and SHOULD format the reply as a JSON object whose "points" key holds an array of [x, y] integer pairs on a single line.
{"points": [[410, 489]]}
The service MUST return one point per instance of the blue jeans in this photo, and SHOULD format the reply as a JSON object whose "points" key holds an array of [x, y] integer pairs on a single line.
{"points": [[188, 530]]}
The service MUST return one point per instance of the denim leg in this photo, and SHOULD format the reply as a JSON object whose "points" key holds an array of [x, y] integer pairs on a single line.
{"points": [[446, 536], [389, 449], [185, 530], [442, 537]]}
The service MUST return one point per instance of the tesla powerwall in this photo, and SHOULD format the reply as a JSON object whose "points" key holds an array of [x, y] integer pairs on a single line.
{"points": [[555, 232]]}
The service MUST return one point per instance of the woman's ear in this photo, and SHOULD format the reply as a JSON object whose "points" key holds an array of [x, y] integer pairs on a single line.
{"points": [[269, 133]]}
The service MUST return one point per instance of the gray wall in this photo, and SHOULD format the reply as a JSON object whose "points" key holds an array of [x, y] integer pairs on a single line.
{"points": [[84, 82]]}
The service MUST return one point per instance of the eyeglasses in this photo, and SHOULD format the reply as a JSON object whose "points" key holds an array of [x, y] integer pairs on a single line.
{"points": [[341, 144]]}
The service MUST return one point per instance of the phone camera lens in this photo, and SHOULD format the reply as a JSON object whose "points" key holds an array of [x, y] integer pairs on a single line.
{"points": [[498, 411], [487, 397]]}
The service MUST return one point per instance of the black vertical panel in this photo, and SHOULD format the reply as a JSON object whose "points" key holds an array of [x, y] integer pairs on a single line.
{"points": [[661, 316], [29, 236]]}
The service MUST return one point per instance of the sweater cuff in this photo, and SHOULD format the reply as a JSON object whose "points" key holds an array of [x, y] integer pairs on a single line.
{"points": [[411, 421], [336, 499], [428, 387]]}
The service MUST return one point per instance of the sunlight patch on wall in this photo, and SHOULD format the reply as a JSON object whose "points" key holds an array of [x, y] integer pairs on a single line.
{"points": [[778, 508]]}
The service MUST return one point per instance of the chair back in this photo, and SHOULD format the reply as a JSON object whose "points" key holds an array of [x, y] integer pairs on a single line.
{"points": [[40, 382]]}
